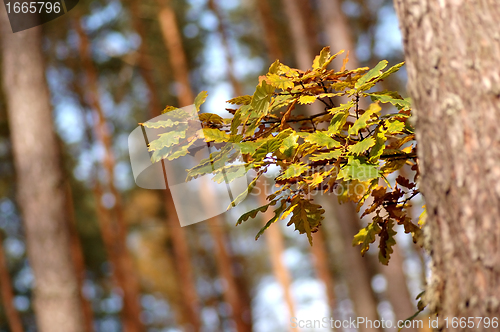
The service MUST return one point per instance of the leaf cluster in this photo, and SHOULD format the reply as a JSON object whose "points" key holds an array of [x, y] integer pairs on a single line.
{"points": [[344, 149]]}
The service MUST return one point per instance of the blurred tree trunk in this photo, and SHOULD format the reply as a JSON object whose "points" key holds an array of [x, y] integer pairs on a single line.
{"points": [[269, 31], [182, 256], [173, 41], [302, 48], [321, 259], [358, 273], [13, 317], [275, 243], [78, 259], [340, 37], [224, 35], [115, 226], [176, 53], [452, 52], [338, 32], [41, 191], [357, 269]]}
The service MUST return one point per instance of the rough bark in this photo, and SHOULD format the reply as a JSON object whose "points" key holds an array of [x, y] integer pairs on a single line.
{"points": [[40, 181], [452, 51], [7, 290]]}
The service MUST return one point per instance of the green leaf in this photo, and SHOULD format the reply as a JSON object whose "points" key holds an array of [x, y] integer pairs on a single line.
{"points": [[200, 99], [390, 97], [280, 82], [335, 154], [337, 122], [289, 145], [293, 171], [161, 154], [160, 124], [305, 100], [379, 147], [167, 139], [253, 213], [215, 161], [244, 194], [391, 70], [261, 97], [277, 213], [267, 147], [362, 146], [371, 74], [321, 139], [281, 101], [362, 122], [230, 172], [241, 100], [358, 169], [366, 236], [215, 135], [248, 147], [394, 126]]}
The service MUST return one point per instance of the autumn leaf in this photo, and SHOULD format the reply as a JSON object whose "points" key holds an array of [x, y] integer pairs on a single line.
{"points": [[362, 146], [366, 236]]}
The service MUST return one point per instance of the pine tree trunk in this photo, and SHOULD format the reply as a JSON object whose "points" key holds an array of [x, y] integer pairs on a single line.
{"points": [[224, 35], [113, 225], [358, 275], [276, 245], [452, 51], [269, 31], [41, 192], [179, 64], [182, 255], [78, 258], [173, 42]]}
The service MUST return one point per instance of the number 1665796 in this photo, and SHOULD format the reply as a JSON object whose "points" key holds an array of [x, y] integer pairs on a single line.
{"points": [[34, 7]]}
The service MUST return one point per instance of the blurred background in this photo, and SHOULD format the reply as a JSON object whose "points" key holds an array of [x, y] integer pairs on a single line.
{"points": [[111, 64]]}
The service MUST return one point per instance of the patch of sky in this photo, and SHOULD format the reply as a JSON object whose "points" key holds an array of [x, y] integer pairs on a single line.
{"points": [[351, 8], [101, 15], [363, 48], [116, 44], [68, 121], [387, 34], [191, 30], [208, 21]]}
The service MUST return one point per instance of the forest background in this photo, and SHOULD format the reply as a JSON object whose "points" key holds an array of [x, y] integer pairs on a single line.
{"points": [[113, 64]]}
